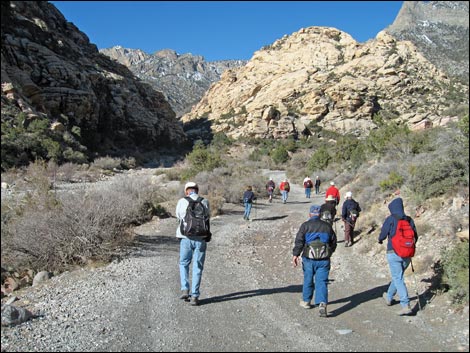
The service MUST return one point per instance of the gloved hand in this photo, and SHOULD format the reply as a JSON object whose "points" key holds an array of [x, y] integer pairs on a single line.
{"points": [[380, 242]]}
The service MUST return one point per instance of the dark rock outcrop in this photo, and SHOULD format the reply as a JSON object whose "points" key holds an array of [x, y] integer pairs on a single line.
{"points": [[50, 69]]}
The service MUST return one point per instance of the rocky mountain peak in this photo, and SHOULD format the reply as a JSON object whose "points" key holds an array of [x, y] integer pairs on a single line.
{"points": [[439, 29], [322, 76], [183, 79]]}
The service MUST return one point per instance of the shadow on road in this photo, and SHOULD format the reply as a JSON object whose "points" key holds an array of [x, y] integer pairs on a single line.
{"points": [[251, 293], [357, 299], [273, 218]]}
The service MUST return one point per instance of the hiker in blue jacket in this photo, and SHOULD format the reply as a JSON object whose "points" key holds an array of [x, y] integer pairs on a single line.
{"points": [[316, 241], [397, 264], [248, 197]]}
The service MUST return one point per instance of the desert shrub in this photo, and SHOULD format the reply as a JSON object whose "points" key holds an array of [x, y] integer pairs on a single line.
{"points": [[393, 182], [455, 271], [202, 159], [106, 163], [438, 177], [279, 155], [55, 230], [319, 160]]}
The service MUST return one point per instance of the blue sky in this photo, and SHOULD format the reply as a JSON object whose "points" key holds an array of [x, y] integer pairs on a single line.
{"points": [[219, 30]]}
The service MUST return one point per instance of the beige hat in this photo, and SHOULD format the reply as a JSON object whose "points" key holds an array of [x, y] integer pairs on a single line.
{"points": [[190, 185], [330, 198]]}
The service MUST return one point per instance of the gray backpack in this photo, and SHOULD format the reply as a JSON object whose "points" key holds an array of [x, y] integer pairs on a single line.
{"points": [[196, 221]]}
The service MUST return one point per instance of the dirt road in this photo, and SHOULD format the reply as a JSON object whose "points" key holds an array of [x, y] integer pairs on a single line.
{"points": [[249, 300]]}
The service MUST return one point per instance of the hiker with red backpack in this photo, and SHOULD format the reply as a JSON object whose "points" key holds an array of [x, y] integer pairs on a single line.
{"points": [[285, 188], [270, 186], [308, 185], [349, 214], [402, 237]]}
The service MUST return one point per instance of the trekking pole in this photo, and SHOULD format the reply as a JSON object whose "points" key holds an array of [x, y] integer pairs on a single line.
{"points": [[416, 284]]}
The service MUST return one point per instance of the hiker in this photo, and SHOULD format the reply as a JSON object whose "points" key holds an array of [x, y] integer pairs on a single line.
{"points": [[349, 214], [316, 242], [285, 188], [397, 264], [333, 190], [270, 186], [248, 197], [317, 185], [328, 210], [192, 248], [308, 184]]}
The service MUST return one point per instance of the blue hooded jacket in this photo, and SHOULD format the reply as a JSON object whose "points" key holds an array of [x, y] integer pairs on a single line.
{"points": [[390, 224]]}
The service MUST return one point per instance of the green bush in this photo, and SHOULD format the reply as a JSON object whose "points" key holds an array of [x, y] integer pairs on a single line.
{"points": [[202, 159], [394, 181], [320, 160], [279, 155], [438, 177], [455, 271]]}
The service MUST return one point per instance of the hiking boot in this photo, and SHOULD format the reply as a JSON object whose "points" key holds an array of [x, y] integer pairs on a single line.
{"points": [[350, 243], [405, 310], [387, 302], [194, 301], [346, 244], [305, 305], [184, 294], [322, 310]]}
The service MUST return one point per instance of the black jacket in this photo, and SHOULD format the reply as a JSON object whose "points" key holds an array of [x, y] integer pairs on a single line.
{"points": [[313, 229], [330, 206]]}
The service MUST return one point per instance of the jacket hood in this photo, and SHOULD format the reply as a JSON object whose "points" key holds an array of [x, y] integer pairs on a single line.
{"points": [[396, 207]]}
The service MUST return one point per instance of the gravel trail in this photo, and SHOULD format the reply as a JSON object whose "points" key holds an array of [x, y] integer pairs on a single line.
{"points": [[249, 297]]}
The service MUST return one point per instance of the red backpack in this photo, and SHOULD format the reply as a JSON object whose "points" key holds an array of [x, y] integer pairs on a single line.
{"points": [[403, 242]]}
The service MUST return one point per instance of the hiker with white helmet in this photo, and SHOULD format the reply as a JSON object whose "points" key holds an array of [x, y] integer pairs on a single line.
{"points": [[192, 212], [333, 191], [349, 214]]}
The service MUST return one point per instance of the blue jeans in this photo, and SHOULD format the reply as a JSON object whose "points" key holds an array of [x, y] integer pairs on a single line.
{"points": [[307, 192], [247, 209], [284, 195], [195, 251], [316, 274], [398, 266]]}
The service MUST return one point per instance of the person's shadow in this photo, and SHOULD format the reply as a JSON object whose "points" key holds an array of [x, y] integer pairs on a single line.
{"points": [[356, 299], [251, 293]]}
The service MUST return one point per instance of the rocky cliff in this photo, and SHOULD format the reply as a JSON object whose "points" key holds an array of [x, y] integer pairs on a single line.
{"points": [[322, 76], [50, 70], [183, 79], [439, 29]]}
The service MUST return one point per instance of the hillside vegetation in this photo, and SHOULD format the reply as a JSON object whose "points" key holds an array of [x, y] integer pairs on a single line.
{"points": [[46, 227]]}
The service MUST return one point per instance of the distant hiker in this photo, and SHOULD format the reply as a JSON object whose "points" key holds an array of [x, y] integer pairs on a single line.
{"points": [[332, 190], [248, 197], [285, 188], [317, 185], [349, 215], [315, 242], [395, 227], [328, 210], [308, 185], [192, 212], [270, 186]]}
